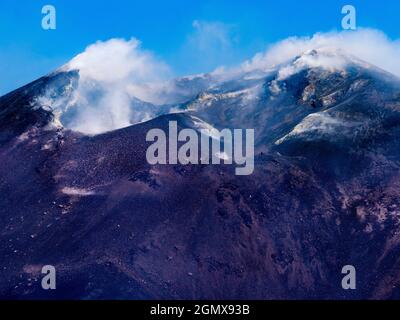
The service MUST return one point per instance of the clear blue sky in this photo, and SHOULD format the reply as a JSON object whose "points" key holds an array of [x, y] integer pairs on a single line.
{"points": [[168, 28]]}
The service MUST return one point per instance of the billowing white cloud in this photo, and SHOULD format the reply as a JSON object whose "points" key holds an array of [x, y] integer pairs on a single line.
{"points": [[111, 74], [118, 60], [370, 45], [115, 72]]}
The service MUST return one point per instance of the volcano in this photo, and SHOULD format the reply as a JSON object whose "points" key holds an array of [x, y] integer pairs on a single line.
{"points": [[324, 192]]}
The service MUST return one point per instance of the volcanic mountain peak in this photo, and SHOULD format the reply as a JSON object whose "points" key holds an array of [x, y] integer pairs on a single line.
{"points": [[326, 172], [320, 78]]}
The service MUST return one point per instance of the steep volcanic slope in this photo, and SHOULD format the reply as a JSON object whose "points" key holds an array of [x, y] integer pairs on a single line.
{"points": [[115, 227], [341, 97], [324, 194], [19, 111]]}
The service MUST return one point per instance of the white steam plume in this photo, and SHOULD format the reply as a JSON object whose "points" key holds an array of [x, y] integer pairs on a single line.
{"points": [[115, 72], [370, 45], [112, 73]]}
